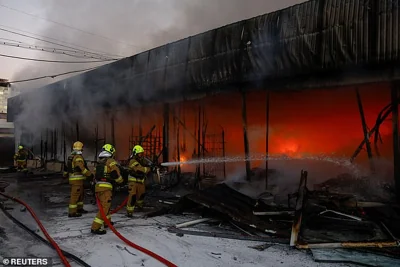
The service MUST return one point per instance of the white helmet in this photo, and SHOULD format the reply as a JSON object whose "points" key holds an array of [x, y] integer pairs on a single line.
{"points": [[105, 154]]}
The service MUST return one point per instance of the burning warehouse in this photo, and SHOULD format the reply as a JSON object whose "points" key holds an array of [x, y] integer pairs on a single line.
{"points": [[249, 107]]}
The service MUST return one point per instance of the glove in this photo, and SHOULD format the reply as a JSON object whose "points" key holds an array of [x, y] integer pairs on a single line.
{"points": [[153, 168]]}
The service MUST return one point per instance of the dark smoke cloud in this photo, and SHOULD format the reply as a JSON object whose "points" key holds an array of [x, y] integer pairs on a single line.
{"points": [[135, 26]]}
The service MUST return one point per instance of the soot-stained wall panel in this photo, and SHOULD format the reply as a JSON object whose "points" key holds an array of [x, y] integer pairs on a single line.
{"points": [[388, 30], [345, 33], [261, 51], [325, 36]]}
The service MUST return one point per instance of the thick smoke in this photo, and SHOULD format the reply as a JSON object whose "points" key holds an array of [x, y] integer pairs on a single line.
{"points": [[132, 26]]}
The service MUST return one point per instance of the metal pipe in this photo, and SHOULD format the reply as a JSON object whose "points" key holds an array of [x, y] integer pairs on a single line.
{"points": [[383, 244], [342, 214], [186, 224], [227, 236], [245, 137]]}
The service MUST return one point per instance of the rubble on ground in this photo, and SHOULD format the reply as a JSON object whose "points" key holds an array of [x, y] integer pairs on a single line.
{"points": [[334, 222]]}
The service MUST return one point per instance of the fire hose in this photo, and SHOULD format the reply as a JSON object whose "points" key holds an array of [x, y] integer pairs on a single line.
{"points": [[30, 231], [146, 251], [120, 206], [53, 243]]}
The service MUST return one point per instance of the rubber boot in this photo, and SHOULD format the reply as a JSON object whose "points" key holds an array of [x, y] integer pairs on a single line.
{"points": [[106, 226], [129, 215], [82, 211], [74, 215], [98, 231]]}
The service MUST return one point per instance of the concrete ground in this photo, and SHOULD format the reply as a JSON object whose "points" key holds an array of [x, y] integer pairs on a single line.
{"points": [[49, 200]]}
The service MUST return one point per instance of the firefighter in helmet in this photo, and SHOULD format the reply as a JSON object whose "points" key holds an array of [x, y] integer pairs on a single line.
{"points": [[76, 170], [20, 159], [138, 170], [107, 173]]}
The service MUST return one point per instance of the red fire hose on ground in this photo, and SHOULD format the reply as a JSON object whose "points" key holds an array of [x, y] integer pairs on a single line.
{"points": [[146, 251], [53, 243], [120, 206]]}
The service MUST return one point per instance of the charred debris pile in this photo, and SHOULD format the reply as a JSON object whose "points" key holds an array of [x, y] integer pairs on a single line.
{"points": [[342, 227], [340, 220]]}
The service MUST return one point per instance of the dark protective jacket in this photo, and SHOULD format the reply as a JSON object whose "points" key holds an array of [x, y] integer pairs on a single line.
{"points": [[76, 165], [21, 155], [138, 170], [107, 170]]}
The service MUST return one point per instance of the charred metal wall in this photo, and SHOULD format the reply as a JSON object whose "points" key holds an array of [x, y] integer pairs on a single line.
{"points": [[343, 41]]}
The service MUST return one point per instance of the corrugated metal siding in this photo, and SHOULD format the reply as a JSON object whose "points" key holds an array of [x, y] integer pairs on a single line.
{"points": [[298, 38], [321, 36], [388, 30], [345, 32]]}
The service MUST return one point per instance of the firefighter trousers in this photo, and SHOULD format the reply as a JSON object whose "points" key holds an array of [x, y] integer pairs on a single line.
{"points": [[77, 197], [21, 165], [135, 197], [104, 193]]}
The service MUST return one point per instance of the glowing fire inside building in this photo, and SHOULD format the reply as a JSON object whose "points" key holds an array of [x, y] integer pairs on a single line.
{"points": [[281, 129]]}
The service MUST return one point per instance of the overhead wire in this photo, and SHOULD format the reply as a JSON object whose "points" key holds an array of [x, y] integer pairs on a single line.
{"points": [[16, 41], [55, 61], [53, 50], [52, 76], [50, 42], [67, 26]]}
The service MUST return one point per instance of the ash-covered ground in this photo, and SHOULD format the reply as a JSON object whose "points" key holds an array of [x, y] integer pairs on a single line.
{"points": [[49, 198]]}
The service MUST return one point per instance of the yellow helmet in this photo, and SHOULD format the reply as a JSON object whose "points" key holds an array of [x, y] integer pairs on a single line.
{"points": [[78, 146], [20, 147], [137, 149], [109, 148]]}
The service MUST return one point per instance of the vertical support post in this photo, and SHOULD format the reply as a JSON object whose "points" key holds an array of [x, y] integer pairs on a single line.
{"points": [[183, 132], [198, 146], [245, 137], [223, 151], [365, 130], [203, 136], [166, 133], [77, 131], [395, 123], [266, 140], [174, 133], [178, 150]]}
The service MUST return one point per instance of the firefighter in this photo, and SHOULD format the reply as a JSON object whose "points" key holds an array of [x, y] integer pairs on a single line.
{"points": [[77, 171], [138, 170], [107, 173], [20, 159]]}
